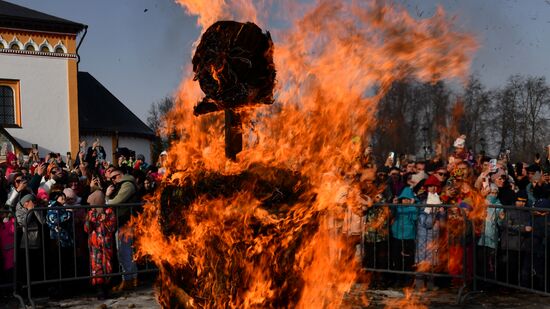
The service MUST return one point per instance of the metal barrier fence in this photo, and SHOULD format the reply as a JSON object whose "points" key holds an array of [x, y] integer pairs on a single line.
{"points": [[8, 242], [505, 245], [520, 258], [62, 255], [508, 246], [417, 240]]}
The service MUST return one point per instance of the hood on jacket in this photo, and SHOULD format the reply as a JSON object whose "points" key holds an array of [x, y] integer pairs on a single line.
{"points": [[406, 193]]}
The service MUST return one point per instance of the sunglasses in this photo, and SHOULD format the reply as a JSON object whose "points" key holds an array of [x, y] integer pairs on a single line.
{"points": [[18, 180], [114, 177]]}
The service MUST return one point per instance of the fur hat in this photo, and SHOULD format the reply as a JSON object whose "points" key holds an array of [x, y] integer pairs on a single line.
{"points": [[460, 141], [71, 196]]}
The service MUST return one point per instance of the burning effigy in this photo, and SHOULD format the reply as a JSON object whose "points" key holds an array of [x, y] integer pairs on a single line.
{"points": [[255, 218]]}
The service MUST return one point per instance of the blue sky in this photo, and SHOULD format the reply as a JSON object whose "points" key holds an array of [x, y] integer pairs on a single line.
{"points": [[139, 49]]}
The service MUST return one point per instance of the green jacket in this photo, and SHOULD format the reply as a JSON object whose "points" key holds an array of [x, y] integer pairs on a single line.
{"points": [[125, 192]]}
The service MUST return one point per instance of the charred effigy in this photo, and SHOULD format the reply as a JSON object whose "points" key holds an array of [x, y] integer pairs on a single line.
{"points": [[267, 225], [234, 66]]}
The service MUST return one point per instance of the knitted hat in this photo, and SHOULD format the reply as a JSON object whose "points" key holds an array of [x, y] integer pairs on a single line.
{"points": [[96, 198], [26, 198], [432, 181]]}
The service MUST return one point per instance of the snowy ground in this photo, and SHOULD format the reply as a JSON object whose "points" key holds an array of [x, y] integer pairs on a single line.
{"points": [[358, 297]]}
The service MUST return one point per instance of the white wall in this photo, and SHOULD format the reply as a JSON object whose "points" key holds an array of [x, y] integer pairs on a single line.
{"points": [[44, 100], [139, 145]]}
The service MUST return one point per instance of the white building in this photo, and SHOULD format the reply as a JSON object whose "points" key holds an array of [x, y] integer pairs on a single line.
{"points": [[41, 99]]}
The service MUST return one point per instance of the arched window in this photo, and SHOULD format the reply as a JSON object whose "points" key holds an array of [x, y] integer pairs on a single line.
{"points": [[15, 46], [45, 49], [7, 106], [59, 50], [30, 47]]}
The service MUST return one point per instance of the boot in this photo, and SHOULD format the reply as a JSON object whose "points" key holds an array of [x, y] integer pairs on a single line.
{"points": [[125, 285], [102, 292], [135, 283]]}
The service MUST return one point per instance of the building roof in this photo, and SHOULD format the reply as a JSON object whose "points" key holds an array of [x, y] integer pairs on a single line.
{"points": [[99, 111], [19, 17]]}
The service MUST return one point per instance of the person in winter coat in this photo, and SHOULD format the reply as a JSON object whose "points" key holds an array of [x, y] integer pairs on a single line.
{"points": [[427, 235], [31, 222], [403, 231], [18, 189], [515, 241], [123, 190], [60, 223], [7, 247], [100, 225], [488, 241]]}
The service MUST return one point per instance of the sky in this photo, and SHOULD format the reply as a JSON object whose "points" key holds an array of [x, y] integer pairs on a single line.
{"points": [[141, 49]]}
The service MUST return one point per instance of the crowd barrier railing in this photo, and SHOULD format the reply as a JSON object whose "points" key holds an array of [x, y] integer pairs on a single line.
{"points": [[65, 256], [508, 247], [520, 258], [420, 241], [8, 245]]}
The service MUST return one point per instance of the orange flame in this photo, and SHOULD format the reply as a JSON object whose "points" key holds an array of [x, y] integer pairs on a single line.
{"points": [[334, 64]]}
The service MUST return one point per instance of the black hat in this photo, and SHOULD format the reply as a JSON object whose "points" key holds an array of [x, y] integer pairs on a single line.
{"points": [[533, 168], [521, 196]]}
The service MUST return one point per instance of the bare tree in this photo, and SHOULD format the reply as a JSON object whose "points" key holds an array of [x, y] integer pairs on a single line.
{"points": [[156, 121], [475, 121]]}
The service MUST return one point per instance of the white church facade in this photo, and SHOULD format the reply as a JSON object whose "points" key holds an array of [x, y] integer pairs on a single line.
{"points": [[40, 101]]}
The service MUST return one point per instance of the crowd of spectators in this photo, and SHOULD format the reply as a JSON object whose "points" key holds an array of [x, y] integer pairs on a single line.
{"points": [[67, 241], [402, 225], [428, 216]]}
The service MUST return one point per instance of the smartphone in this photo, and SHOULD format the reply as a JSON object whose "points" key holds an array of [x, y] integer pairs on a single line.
{"points": [[537, 176], [68, 155], [493, 164]]}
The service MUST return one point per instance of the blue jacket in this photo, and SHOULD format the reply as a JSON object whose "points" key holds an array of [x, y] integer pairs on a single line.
{"points": [[489, 236]]}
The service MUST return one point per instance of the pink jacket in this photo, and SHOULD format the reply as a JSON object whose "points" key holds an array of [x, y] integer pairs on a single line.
{"points": [[7, 233]]}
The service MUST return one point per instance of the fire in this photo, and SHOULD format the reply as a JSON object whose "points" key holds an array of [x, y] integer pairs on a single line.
{"points": [[410, 301], [215, 74], [251, 246]]}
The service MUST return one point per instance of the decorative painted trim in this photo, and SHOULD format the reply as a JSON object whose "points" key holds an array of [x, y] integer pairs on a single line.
{"points": [[31, 43], [46, 44], [60, 45], [3, 43], [16, 41], [37, 53]]}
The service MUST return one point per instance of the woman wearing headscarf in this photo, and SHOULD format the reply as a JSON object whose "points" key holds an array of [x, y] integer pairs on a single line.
{"points": [[100, 225]]}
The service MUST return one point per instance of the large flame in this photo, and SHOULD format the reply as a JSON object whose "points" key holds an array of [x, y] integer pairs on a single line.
{"points": [[334, 63]]}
